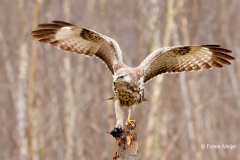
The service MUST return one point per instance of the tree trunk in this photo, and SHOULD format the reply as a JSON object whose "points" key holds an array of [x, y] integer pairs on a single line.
{"points": [[32, 110], [21, 105], [70, 107]]}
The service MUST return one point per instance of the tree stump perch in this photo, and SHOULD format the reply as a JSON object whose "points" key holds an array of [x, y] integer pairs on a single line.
{"points": [[127, 142]]}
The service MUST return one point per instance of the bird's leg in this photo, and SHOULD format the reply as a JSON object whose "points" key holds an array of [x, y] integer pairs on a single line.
{"points": [[119, 114], [130, 112]]}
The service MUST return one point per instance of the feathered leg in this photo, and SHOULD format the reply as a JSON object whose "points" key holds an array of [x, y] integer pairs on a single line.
{"points": [[119, 114], [130, 112]]}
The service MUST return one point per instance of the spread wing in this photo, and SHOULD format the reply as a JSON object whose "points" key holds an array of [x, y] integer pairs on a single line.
{"points": [[72, 38], [184, 58]]}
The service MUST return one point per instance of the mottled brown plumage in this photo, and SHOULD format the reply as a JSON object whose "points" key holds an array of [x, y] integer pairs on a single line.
{"points": [[128, 84]]}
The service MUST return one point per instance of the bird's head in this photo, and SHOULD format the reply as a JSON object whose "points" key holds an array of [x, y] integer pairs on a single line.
{"points": [[122, 79]]}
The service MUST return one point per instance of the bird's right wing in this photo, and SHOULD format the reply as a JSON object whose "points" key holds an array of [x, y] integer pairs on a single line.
{"points": [[184, 58], [82, 41]]}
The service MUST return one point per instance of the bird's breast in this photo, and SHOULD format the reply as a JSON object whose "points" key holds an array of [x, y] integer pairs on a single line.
{"points": [[127, 96]]}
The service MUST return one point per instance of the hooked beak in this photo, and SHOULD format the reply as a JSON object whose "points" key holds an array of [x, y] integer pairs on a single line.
{"points": [[114, 80]]}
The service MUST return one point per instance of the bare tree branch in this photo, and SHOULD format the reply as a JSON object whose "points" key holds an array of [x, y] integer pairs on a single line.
{"points": [[127, 142]]}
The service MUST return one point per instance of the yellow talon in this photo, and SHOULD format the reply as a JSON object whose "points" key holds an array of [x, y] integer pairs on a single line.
{"points": [[130, 121]]}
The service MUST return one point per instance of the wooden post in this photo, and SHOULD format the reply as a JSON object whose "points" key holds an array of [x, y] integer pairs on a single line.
{"points": [[127, 142]]}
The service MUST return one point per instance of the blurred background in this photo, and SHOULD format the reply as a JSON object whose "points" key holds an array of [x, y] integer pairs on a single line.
{"points": [[52, 103]]}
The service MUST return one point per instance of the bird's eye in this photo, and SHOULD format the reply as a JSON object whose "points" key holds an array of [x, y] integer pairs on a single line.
{"points": [[121, 77]]}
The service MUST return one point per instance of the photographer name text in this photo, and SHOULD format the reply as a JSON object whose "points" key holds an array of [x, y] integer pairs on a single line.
{"points": [[219, 146]]}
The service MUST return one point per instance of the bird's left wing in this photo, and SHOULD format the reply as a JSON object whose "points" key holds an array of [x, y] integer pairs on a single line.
{"points": [[184, 58], [72, 38]]}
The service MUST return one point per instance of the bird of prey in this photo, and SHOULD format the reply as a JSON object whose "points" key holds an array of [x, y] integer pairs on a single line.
{"points": [[128, 82]]}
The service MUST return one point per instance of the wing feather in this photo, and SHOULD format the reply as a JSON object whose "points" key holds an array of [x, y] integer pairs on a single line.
{"points": [[72, 38], [184, 58]]}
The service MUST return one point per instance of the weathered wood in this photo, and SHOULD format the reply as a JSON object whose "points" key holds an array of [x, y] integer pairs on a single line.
{"points": [[127, 142]]}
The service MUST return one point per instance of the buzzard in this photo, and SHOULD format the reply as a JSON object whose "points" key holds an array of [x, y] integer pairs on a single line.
{"points": [[128, 82]]}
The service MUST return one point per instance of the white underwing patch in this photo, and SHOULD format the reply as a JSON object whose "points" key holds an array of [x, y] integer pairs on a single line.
{"points": [[141, 83], [66, 28]]}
